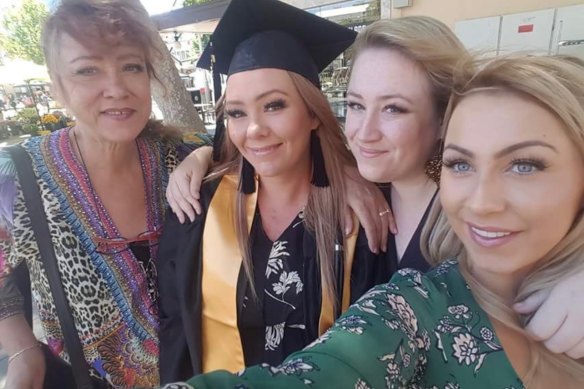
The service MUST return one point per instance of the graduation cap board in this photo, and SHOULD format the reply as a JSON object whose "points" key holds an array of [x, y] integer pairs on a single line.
{"points": [[259, 34], [256, 34]]}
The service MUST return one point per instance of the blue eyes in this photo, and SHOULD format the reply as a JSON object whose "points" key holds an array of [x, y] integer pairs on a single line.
{"points": [[517, 166], [458, 166]]}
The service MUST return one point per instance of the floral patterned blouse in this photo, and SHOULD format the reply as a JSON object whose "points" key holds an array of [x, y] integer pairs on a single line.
{"points": [[418, 331], [277, 314]]}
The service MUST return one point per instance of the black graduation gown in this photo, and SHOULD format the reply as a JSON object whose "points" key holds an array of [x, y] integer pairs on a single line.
{"points": [[180, 278]]}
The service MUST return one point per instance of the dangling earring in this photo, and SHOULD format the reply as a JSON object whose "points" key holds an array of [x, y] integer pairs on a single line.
{"points": [[247, 177], [433, 166], [319, 176]]}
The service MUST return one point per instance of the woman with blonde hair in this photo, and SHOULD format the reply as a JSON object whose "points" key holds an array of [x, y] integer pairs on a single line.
{"points": [[514, 128], [401, 79], [266, 267]]}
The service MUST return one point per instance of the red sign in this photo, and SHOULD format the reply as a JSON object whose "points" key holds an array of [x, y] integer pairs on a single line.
{"points": [[525, 28]]}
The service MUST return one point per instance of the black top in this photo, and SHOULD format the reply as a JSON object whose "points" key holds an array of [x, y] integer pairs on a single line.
{"points": [[290, 318], [273, 325], [412, 256]]}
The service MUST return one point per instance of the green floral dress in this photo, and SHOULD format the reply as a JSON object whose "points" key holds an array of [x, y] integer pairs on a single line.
{"points": [[418, 331]]}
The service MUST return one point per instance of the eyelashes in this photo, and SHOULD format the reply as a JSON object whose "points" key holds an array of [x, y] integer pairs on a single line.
{"points": [[521, 166], [390, 108], [271, 106]]}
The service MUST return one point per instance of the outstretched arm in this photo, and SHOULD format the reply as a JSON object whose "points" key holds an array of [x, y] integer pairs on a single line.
{"points": [[558, 316]]}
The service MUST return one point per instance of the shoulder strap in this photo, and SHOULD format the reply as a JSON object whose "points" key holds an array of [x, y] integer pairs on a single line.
{"points": [[32, 198]]}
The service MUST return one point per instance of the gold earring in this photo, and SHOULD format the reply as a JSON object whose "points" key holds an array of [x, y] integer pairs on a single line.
{"points": [[433, 167]]}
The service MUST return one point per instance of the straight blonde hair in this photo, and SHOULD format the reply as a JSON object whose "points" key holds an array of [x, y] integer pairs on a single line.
{"points": [[426, 41], [555, 83], [324, 212]]}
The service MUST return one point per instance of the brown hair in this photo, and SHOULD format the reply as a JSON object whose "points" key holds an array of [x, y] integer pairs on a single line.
{"points": [[425, 40], [98, 25], [325, 209], [555, 83]]}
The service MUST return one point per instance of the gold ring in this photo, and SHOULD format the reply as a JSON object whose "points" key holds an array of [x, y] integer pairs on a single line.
{"points": [[384, 212]]}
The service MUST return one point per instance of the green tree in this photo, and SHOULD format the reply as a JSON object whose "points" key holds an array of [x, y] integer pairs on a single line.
{"points": [[187, 3], [22, 31]]}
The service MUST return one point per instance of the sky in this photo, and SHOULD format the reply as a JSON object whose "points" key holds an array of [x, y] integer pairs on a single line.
{"points": [[160, 6], [152, 6]]}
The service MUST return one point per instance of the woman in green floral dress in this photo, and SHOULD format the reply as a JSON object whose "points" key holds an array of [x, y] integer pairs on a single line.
{"points": [[515, 129]]}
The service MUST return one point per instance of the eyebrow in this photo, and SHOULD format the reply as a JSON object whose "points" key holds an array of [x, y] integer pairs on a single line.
{"points": [[97, 57], [383, 97], [259, 97], [84, 57], [507, 150], [129, 56]]}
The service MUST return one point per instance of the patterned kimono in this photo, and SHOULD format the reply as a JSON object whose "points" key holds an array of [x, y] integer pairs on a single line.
{"points": [[418, 331], [110, 295]]}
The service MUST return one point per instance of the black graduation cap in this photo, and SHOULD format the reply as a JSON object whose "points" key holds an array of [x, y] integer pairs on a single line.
{"points": [[255, 34], [258, 34]]}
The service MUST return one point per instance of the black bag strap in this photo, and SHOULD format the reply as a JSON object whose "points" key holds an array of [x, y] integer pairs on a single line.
{"points": [[38, 218]]}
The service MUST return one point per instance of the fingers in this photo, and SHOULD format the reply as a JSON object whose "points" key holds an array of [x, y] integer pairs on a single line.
{"points": [[546, 321], [392, 223], [371, 225], [576, 352], [569, 335], [384, 230], [174, 206], [531, 303], [182, 186]]}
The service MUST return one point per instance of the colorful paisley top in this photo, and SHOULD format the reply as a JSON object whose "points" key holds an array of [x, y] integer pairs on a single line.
{"points": [[110, 295], [418, 331]]}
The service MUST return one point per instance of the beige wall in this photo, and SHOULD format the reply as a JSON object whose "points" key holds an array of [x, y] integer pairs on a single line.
{"points": [[451, 11]]}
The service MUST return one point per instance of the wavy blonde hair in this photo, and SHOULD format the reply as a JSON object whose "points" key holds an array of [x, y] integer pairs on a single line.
{"points": [[555, 83], [425, 40], [324, 211]]}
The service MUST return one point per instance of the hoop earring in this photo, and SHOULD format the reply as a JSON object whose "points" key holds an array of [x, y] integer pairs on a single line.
{"points": [[433, 166]]}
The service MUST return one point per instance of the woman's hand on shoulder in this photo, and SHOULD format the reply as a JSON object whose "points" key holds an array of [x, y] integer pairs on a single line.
{"points": [[184, 184], [27, 371], [558, 316], [366, 200]]}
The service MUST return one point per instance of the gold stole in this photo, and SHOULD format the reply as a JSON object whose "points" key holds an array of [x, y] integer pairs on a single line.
{"points": [[222, 261]]}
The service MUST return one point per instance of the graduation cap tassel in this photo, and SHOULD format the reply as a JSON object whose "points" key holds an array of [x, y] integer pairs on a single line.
{"points": [[247, 178], [319, 176], [218, 138], [219, 123]]}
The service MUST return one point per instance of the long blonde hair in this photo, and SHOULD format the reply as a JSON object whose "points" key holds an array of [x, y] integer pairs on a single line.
{"points": [[555, 83], [324, 211], [425, 40]]}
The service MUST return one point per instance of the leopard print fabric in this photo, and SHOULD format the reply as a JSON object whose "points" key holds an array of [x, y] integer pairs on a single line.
{"points": [[119, 343]]}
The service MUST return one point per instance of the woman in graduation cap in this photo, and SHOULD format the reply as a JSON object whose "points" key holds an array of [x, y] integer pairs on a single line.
{"points": [[392, 125], [266, 268], [514, 127]]}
